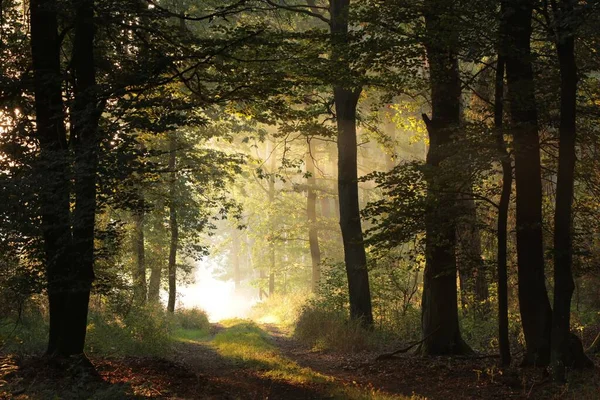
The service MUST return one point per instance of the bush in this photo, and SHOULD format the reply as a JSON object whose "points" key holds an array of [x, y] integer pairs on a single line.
{"points": [[193, 319], [144, 331], [279, 309], [26, 335], [330, 330]]}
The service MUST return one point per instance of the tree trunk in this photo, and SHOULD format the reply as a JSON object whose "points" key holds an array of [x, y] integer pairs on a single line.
{"points": [[261, 291], [311, 211], [346, 101], [272, 257], [235, 258], [439, 318], [173, 223], [562, 355], [502, 231], [473, 282], [154, 283], [85, 116], [54, 178], [140, 270], [534, 304]]}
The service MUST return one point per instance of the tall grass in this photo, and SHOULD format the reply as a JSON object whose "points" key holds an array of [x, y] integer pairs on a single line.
{"points": [[147, 330]]}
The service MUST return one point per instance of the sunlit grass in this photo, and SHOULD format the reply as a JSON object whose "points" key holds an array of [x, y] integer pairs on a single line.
{"points": [[247, 343], [190, 335]]}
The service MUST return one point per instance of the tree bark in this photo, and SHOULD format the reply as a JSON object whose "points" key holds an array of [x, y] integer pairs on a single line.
{"points": [[154, 283], [311, 211], [563, 238], [174, 228], [502, 224], [534, 304], [473, 282], [54, 180], [439, 318], [235, 258], [140, 252], [346, 101], [272, 257]]}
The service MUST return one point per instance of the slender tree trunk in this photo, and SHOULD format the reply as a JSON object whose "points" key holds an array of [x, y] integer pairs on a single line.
{"points": [[502, 232], [563, 352], [140, 251], [261, 291], [439, 318], [235, 258], [473, 282], [156, 267], [272, 256], [346, 102], [311, 211], [173, 223], [85, 116], [54, 180], [536, 314]]}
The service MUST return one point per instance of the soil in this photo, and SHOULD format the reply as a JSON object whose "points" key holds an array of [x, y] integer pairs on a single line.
{"points": [[196, 371]]}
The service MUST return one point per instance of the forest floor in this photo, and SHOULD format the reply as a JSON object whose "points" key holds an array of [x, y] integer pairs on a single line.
{"points": [[241, 360]]}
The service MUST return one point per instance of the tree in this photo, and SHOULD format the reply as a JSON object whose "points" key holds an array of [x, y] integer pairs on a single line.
{"points": [[173, 224], [502, 220], [440, 329], [55, 189], [563, 350], [311, 212], [534, 304], [346, 94]]}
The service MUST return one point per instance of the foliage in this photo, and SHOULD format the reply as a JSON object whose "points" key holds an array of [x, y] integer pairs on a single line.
{"points": [[282, 310], [192, 319], [324, 329], [144, 330]]}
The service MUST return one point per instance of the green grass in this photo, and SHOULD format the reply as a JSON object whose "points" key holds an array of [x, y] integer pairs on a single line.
{"points": [[190, 335], [247, 344]]}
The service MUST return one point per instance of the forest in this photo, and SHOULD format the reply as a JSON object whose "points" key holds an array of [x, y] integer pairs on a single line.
{"points": [[299, 199]]}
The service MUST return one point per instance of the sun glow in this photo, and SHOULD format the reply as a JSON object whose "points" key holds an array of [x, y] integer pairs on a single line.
{"points": [[218, 298]]}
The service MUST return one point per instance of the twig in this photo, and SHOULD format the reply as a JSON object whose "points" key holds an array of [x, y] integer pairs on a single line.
{"points": [[389, 356]]}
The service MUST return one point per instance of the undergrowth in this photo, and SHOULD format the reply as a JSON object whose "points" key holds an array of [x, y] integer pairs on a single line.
{"points": [[142, 331], [282, 310]]}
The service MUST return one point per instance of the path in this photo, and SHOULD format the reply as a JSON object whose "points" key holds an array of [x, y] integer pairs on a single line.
{"points": [[244, 361]]}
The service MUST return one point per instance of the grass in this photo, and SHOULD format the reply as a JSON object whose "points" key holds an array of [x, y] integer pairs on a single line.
{"points": [[247, 344], [190, 335]]}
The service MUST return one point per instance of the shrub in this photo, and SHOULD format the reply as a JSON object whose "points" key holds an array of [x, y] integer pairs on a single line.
{"points": [[280, 309], [330, 330], [144, 331], [193, 318]]}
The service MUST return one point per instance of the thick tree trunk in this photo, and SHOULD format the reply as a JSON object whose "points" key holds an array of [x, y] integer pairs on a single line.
{"points": [[139, 279], [154, 283], [311, 211], [534, 304], [54, 179], [502, 231], [439, 319], [174, 228], [346, 101]]}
